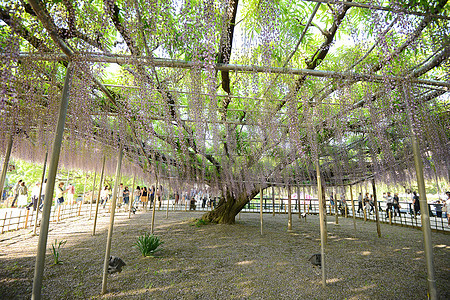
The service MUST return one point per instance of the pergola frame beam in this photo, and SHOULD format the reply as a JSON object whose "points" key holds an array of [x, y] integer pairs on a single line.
{"points": [[172, 63]]}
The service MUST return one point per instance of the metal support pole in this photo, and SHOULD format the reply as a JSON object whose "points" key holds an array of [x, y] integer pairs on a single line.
{"points": [[49, 188], [111, 221], [40, 193], [92, 196], [323, 232], [97, 204], [260, 208], [424, 212], [5, 164], [289, 210], [130, 202], [377, 217]]}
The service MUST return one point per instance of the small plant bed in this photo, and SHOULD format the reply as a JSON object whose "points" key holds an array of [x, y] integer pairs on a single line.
{"points": [[148, 244]]}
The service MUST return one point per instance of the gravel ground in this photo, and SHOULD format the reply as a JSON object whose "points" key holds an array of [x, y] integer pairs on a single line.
{"points": [[227, 261]]}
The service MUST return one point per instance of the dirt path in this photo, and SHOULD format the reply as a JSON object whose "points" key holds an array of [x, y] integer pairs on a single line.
{"points": [[226, 261]]}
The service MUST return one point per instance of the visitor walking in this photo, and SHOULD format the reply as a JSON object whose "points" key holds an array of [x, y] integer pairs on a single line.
{"points": [[192, 204], [438, 208], [104, 196], [396, 202], [372, 205], [389, 204], [366, 202], [159, 195], [70, 194], [137, 196], [152, 196], [16, 192], [126, 197], [360, 203], [34, 196], [144, 198], [60, 195], [22, 200], [416, 204], [120, 194]]}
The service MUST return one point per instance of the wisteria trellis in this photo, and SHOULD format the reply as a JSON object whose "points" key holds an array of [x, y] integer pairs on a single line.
{"points": [[230, 131]]}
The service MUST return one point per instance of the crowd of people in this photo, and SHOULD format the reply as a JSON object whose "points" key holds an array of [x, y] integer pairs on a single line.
{"points": [[147, 197]]}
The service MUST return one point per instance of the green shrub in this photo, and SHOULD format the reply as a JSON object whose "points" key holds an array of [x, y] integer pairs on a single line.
{"points": [[201, 222], [148, 244], [56, 251]]}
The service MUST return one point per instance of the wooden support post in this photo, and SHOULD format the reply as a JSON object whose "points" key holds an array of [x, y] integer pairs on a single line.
{"points": [[26, 219], [97, 204], [49, 189], [260, 209], [323, 232], [299, 204], [390, 217], [377, 217], [289, 209], [111, 221]]}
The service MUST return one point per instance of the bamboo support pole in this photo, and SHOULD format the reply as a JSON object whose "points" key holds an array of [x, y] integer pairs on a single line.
{"points": [[4, 221], [323, 232], [111, 221], [353, 209], [5, 164], [261, 209], [40, 193], [152, 229], [336, 208], [425, 214], [92, 195], [365, 213], [130, 202], [97, 204], [304, 202], [168, 200], [49, 189], [377, 217], [289, 210], [273, 201]]}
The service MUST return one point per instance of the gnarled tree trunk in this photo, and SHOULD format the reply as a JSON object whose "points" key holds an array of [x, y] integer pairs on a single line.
{"points": [[228, 207]]}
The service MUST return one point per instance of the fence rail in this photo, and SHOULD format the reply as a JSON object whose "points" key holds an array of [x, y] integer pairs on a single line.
{"points": [[14, 219]]}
